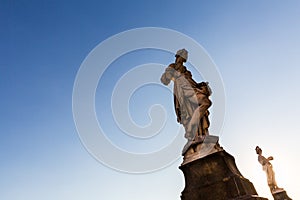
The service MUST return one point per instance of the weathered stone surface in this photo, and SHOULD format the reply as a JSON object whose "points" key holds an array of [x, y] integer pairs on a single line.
{"points": [[216, 177]]}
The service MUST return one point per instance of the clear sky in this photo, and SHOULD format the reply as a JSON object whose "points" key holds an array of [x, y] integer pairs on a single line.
{"points": [[255, 45]]}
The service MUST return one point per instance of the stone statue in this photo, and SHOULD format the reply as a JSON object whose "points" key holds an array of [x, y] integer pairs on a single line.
{"points": [[267, 167], [191, 99]]}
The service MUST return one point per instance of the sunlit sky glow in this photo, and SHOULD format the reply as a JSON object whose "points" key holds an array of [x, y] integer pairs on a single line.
{"points": [[255, 45]]}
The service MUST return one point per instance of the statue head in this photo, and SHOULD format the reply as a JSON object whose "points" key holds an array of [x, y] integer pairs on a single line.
{"points": [[183, 53], [258, 150]]}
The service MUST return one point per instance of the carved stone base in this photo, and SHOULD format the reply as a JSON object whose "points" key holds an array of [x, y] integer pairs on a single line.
{"points": [[216, 177], [280, 195], [200, 148]]}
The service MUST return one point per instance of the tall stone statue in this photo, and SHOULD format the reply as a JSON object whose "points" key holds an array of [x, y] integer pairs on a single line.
{"points": [[210, 172], [268, 168], [191, 99], [277, 193]]}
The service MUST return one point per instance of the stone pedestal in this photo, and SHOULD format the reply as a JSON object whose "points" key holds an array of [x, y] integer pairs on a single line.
{"points": [[214, 176], [280, 195]]}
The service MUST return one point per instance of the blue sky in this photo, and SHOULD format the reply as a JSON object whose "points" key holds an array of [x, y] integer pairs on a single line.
{"points": [[255, 45]]}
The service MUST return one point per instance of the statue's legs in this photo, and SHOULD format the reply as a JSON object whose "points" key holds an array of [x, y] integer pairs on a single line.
{"points": [[271, 178], [204, 103]]}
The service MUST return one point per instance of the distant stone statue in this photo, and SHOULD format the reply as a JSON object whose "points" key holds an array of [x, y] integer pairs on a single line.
{"points": [[267, 167], [191, 99]]}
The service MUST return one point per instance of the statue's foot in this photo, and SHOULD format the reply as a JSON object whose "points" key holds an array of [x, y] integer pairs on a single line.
{"points": [[277, 189], [186, 147], [188, 135]]}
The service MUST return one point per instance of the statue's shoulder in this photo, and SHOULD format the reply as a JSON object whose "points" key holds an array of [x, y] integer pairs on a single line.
{"points": [[172, 65]]}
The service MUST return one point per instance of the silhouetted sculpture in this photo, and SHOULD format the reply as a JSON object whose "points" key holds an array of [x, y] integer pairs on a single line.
{"points": [[191, 99]]}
